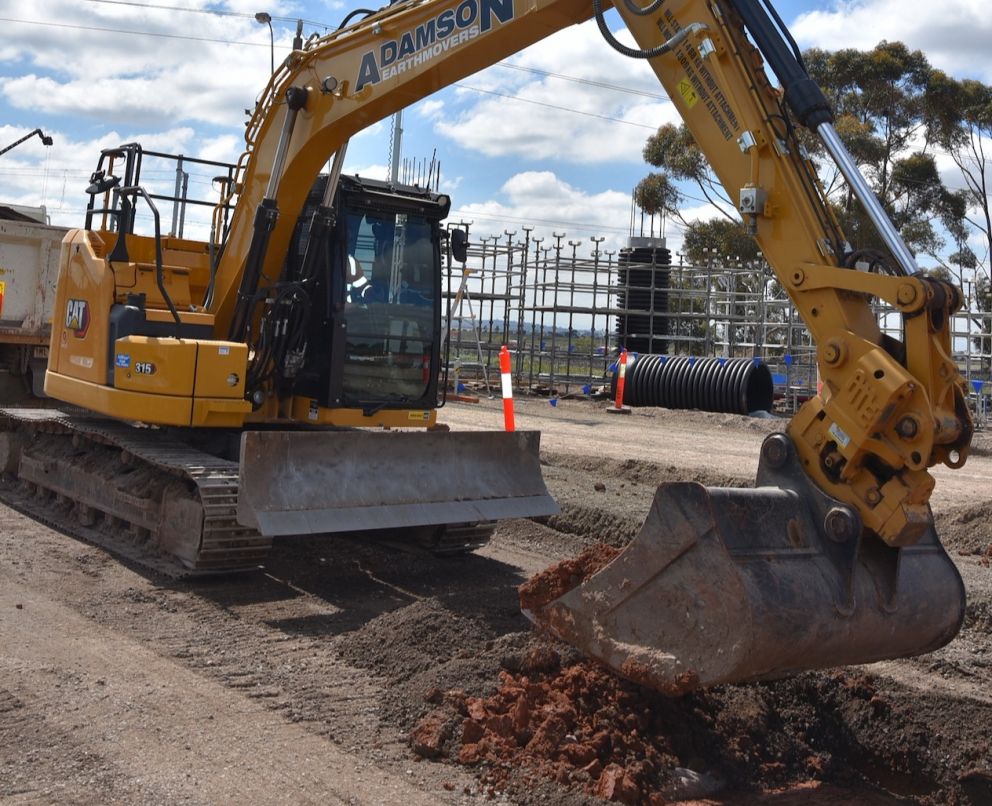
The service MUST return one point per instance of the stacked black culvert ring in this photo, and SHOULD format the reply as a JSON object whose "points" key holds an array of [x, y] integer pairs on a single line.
{"points": [[642, 296], [730, 385]]}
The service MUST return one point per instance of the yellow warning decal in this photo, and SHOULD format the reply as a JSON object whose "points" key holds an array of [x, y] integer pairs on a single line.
{"points": [[688, 92], [423, 416]]}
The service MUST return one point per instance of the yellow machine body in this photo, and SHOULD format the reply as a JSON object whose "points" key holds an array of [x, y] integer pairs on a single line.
{"points": [[838, 543], [161, 380]]}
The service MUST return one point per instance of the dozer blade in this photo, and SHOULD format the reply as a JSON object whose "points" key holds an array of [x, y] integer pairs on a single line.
{"points": [[309, 482], [731, 585]]}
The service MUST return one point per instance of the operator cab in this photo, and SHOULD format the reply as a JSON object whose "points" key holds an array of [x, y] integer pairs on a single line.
{"points": [[381, 287]]}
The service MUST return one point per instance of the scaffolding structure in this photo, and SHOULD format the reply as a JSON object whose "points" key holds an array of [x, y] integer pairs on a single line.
{"points": [[557, 303]]}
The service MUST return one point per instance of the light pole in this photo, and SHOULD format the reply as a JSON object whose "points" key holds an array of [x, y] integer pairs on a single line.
{"points": [[264, 18], [45, 139]]}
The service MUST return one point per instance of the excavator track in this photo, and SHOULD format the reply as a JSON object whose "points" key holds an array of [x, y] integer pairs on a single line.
{"points": [[463, 538], [449, 540], [164, 504]]}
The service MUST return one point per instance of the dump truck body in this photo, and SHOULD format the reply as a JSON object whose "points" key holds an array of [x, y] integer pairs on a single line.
{"points": [[29, 260]]}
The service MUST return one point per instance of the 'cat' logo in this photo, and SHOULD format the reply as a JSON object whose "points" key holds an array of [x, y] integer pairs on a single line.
{"points": [[77, 317]]}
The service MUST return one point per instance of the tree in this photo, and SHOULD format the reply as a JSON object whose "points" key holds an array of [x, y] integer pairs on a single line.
{"points": [[674, 150], [983, 302], [960, 114], [884, 110], [721, 237], [656, 195]]}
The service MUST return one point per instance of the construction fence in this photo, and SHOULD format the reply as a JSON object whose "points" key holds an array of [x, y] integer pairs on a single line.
{"points": [[565, 307]]}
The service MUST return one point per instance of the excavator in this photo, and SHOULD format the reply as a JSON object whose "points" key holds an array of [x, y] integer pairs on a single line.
{"points": [[256, 337]]}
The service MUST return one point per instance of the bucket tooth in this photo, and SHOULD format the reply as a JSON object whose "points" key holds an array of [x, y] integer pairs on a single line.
{"points": [[727, 585]]}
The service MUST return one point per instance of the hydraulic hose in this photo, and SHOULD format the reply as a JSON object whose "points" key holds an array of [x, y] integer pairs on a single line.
{"points": [[634, 53], [633, 8], [367, 12]]}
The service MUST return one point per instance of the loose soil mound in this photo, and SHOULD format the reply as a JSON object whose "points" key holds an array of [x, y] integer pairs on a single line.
{"points": [[559, 579], [583, 728], [616, 473], [595, 524], [967, 529], [605, 500]]}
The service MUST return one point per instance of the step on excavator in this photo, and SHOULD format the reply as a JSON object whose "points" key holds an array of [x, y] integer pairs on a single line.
{"points": [[252, 385]]}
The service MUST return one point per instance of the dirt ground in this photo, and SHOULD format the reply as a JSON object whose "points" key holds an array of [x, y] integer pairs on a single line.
{"points": [[354, 672]]}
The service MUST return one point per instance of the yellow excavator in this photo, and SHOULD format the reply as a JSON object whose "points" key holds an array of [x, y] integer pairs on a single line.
{"points": [[257, 334]]}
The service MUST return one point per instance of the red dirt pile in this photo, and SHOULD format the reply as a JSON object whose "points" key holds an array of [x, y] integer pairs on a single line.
{"points": [[562, 577], [580, 725], [588, 731]]}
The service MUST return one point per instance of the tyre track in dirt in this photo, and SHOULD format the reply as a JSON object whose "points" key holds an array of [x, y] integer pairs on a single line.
{"points": [[348, 641], [264, 640], [137, 727]]}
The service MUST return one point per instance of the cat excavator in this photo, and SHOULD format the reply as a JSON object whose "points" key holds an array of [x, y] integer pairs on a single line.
{"points": [[257, 334]]}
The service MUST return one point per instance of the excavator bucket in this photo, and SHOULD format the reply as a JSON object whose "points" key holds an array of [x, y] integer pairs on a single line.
{"points": [[308, 482], [731, 585]]}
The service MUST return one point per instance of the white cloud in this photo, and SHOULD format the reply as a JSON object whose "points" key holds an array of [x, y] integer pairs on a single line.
{"points": [[224, 148], [374, 130], [57, 176], [430, 109], [954, 34], [369, 171], [702, 212], [132, 66], [550, 204], [449, 184], [533, 116]]}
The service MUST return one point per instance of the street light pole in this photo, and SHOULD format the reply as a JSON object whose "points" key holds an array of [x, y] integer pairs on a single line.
{"points": [[264, 18], [45, 139]]}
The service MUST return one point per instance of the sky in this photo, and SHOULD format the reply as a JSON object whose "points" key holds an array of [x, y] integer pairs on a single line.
{"points": [[550, 138]]}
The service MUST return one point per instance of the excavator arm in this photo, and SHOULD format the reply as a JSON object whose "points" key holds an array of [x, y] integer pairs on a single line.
{"points": [[890, 409]]}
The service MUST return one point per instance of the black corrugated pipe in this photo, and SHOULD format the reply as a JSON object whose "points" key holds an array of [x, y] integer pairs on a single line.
{"points": [[642, 297], [729, 385]]}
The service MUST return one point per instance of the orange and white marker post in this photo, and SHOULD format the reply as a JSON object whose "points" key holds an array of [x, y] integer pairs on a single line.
{"points": [[618, 407], [507, 383]]}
